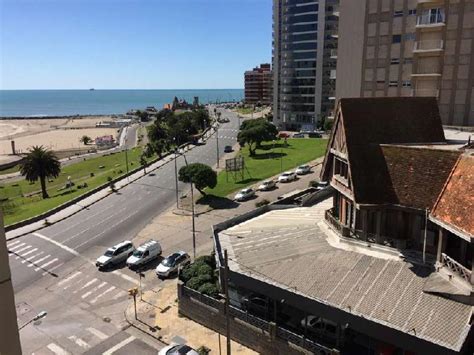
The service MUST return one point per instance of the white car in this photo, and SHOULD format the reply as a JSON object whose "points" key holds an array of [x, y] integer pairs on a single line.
{"points": [[267, 185], [244, 194], [303, 169], [287, 177], [170, 265], [322, 185], [144, 253], [176, 349], [115, 255]]}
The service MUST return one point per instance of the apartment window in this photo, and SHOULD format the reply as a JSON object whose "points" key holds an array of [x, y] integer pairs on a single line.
{"points": [[406, 84], [398, 13], [396, 38], [408, 61], [431, 16], [409, 36], [412, 12], [393, 83], [380, 81], [395, 61]]}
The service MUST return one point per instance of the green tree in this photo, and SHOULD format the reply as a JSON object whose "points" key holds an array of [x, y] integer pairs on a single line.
{"points": [[143, 161], [85, 140], [40, 164], [254, 132], [158, 138], [201, 175]]}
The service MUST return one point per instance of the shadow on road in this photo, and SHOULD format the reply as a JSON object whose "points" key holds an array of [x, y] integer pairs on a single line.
{"points": [[217, 202]]}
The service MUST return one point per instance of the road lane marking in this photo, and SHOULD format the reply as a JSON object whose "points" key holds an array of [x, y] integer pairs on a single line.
{"points": [[62, 246], [17, 246], [86, 285], [13, 243], [110, 289], [79, 341], [32, 257], [119, 345], [46, 264], [29, 252], [69, 278], [87, 294], [39, 260], [20, 250], [57, 349], [53, 268], [97, 333]]}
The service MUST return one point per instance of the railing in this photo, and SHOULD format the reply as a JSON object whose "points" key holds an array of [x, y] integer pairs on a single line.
{"points": [[428, 45], [209, 301], [456, 267], [428, 69], [425, 92], [333, 53], [303, 342], [430, 18]]}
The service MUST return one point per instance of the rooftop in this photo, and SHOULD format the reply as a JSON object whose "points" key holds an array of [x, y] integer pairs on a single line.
{"points": [[293, 249]]}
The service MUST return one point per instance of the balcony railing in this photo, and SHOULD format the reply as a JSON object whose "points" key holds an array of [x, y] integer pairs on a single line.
{"points": [[431, 18], [332, 75], [456, 267], [428, 45], [333, 53], [425, 93]]}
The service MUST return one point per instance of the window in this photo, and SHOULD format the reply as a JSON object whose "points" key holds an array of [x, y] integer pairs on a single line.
{"points": [[398, 13], [406, 84], [380, 81], [396, 38], [395, 61], [393, 83], [340, 168], [408, 61], [409, 36], [411, 12]]}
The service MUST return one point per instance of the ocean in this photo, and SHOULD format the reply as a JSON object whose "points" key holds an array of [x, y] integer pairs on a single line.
{"points": [[40, 103]]}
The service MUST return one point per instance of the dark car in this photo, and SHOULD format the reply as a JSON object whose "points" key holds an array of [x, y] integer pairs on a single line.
{"points": [[228, 149]]}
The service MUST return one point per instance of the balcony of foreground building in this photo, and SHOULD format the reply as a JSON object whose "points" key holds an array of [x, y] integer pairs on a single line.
{"points": [[422, 70], [431, 18], [429, 47], [455, 267], [425, 92]]}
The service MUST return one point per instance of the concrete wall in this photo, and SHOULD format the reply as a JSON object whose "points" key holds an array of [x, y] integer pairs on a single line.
{"points": [[9, 337]]}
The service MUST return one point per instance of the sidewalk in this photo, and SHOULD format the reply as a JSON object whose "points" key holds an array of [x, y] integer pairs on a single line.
{"points": [[158, 316]]}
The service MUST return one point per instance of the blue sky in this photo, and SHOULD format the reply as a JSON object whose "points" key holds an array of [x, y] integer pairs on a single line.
{"points": [[131, 44]]}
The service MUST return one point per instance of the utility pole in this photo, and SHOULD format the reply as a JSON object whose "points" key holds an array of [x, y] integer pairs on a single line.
{"points": [[226, 289], [176, 175], [192, 212], [217, 145]]}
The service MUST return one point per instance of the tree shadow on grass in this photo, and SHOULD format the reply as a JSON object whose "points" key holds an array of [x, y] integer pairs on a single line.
{"points": [[272, 155], [277, 145], [217, 202]]}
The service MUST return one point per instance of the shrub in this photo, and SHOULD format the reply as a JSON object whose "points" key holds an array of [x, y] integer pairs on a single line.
{"points": [[197, 281], [209, 289]]}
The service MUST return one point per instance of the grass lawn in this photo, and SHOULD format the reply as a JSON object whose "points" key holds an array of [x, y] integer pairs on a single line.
{"points": [[11, 170], [21, 199], [268, 162], [248, 110]]}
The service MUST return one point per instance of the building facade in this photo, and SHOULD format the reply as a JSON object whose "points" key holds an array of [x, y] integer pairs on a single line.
{"points": [[9, 337], [258, 85], [409, 48], [304, 61]]}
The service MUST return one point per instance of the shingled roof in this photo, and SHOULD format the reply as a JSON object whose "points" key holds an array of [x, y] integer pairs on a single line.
{"points": [[405, 175], [455, 205]]}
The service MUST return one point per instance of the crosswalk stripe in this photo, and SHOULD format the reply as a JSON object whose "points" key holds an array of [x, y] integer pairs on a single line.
{"points": [[53, 268], [17, 246], [110, 289], [32, 257], [79, 341], [22, 249], [13, 243], [39, 260], [87, 294], [118, 295], [29, 252], [57, 349], [97, 333], [86, 285], [119, 345], [69, 278], [46, 264]]}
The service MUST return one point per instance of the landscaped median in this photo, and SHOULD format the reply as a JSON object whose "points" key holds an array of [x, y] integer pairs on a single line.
{"points": [[269, 160], [21, 199]]}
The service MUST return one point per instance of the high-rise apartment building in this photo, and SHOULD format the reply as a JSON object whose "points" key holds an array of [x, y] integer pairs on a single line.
{"points": [[258, 85], [409, 48], [304, 61]]}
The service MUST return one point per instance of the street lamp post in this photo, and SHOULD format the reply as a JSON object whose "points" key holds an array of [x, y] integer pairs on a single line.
{"points": [[40, 315], [217, 144], [192, 212]]}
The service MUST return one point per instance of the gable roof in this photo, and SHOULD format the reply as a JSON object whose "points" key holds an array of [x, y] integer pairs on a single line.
{"points": [[455, 204]]}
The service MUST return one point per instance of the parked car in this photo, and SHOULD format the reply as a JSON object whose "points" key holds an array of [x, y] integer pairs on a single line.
{"points": [[298, 135], [170, 264], [144, 254], [314, 135], [115, 255], [322, 185], [319, 326], [177, 349], [303, 169], [228, 149], [267, 185], [244, 194], [287, 177]]}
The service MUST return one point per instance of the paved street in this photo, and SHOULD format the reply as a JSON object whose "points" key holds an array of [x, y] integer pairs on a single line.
{"points": [[53, 269]]}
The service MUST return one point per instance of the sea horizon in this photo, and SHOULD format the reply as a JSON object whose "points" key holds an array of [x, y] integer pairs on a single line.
{"points": [[71, 102]]}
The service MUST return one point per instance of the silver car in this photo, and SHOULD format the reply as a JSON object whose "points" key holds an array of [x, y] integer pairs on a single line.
{"points": [[115, 255], [170, 265]]}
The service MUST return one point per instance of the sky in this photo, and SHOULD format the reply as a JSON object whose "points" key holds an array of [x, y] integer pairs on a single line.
{"points": [[132, 44]]}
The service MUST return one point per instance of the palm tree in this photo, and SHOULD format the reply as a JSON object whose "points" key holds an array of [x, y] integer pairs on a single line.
{"points": [[85, 140], [40, 164]]}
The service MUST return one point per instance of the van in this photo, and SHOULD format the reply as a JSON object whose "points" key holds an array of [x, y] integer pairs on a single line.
{"points": [[144, 254]]}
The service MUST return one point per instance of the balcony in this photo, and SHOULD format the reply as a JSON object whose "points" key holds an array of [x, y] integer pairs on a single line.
{"points": [[430, 47], [333, 54], [430, 1], [332, 75], [455, 267], [427, 71], [425, 93], [433, 18]]}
